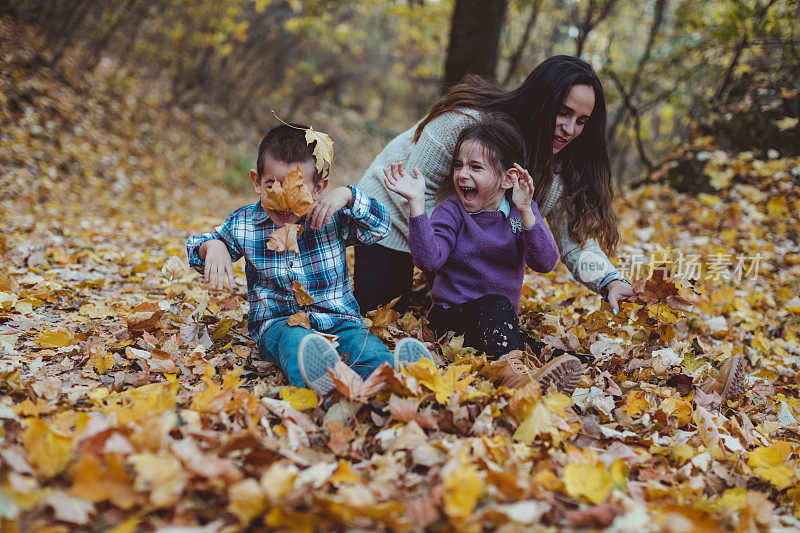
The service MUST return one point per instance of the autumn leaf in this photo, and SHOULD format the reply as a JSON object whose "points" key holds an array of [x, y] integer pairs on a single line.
{"points": [[299, 319], [444, 385], [284, 239], [301, 295], [590, 481], [144, 317], [323, 150], [291, 195], [462, 487], [300, 398]]}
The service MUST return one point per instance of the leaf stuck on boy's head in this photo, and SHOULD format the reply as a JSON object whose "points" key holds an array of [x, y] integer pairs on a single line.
{"points": [[291, 195], [323, 150], [285, 239]]}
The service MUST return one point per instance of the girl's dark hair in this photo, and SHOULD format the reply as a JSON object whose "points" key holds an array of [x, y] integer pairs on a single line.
{"points": [[583, 164], [501, 139]]}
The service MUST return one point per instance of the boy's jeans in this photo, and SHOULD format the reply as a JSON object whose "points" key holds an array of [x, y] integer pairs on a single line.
{"points": [[361, 350]]}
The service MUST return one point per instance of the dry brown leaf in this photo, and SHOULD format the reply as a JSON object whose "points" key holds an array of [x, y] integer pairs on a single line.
{"points": [[284, 239], [301, 295], [291, 195], [299, 319], [323, 150]]}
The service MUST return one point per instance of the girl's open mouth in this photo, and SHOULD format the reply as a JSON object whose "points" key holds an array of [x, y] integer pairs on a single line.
{"points": [[469, 193]]}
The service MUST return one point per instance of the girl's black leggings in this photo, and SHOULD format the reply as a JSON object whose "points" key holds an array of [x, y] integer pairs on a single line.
{"points": [[490, 325]]}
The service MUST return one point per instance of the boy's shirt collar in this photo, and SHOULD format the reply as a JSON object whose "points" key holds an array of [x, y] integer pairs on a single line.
{"points": [[504, 207]]}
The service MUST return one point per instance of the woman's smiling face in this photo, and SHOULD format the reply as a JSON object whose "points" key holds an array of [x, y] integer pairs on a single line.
{"points": [[572, 115], [476, 181]]}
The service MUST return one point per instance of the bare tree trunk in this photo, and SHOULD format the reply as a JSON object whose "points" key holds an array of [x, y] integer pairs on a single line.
{"points": [[523, 42], [474, 39]]}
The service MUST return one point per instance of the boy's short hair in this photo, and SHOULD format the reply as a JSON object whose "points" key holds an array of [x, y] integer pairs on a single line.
{"points": [[287, 143]]}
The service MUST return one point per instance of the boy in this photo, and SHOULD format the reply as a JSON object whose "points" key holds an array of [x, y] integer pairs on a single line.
{"points": [[341, 217]]}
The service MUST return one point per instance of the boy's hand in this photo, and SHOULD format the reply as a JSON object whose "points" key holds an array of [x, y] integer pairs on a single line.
{"points": [[218, 266], [327, 205], [412, 188]]}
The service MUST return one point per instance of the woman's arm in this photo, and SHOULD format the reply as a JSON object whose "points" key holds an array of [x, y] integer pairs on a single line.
{"points": [[588, 263]]}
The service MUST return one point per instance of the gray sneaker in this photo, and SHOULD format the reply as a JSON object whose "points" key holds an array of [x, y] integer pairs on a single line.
{"points": [[409, 350], [315, 356]]}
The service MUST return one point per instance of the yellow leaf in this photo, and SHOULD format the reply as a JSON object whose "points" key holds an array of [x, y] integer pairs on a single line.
{"points": [[776, 207], [94, 481], [50, 452], [344, 473], [536, 422], [588, 481], [55, 339], [103, 362], [96, 311], [300, 399], [462, 487], [161, 476], [636, 403], [246, 500], [443, 386], [301, 295], [128, 526], [284, 239], [323, 150]]}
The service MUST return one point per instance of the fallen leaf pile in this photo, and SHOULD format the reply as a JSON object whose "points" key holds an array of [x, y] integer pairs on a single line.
{"points": [[133, 399]]}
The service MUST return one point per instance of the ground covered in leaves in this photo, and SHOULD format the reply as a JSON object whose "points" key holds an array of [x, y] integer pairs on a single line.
{"points": [[132, 398]]}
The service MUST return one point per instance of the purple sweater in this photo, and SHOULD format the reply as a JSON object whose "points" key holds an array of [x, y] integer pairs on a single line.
{"points": [[480, 254]]}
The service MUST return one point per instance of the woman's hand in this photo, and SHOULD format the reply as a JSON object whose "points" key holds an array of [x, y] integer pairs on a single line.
{"points": [[327, 205], [618, 291], [218, 266], [412, 188], [522, 196]]}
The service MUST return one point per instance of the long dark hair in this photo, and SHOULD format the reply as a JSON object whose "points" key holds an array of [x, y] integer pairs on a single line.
{"points": [[583, 165], [501, 140]]}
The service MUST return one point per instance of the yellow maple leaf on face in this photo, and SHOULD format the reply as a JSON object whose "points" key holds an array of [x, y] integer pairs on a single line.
{"points": [[301, 295], [323, 150], [285, 239], [291, 195], [590, 481]]}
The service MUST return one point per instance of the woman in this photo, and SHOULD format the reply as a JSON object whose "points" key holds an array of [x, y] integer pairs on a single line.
{"points": [[560, 109]]}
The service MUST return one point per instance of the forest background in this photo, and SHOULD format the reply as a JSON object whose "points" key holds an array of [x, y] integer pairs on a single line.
{"points": [[133, 400]]}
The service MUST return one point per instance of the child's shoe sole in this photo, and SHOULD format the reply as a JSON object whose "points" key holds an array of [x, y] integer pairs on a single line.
{"points": [[408, 351], [565, 371], [315, 356]]}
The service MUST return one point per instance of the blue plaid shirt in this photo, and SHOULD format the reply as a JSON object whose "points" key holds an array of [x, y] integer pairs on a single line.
{"points": [[321, 267]]}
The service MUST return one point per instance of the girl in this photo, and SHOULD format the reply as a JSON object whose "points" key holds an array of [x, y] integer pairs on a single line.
{"points": [[478, 242], [560, 109]]}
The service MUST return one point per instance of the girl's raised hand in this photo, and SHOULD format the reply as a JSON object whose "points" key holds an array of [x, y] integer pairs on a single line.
{"points": [[522, 194], [412, 188]]}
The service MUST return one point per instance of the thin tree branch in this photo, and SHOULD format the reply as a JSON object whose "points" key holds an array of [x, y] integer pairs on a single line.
{"points": [[523, 43], [740, 48]]}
